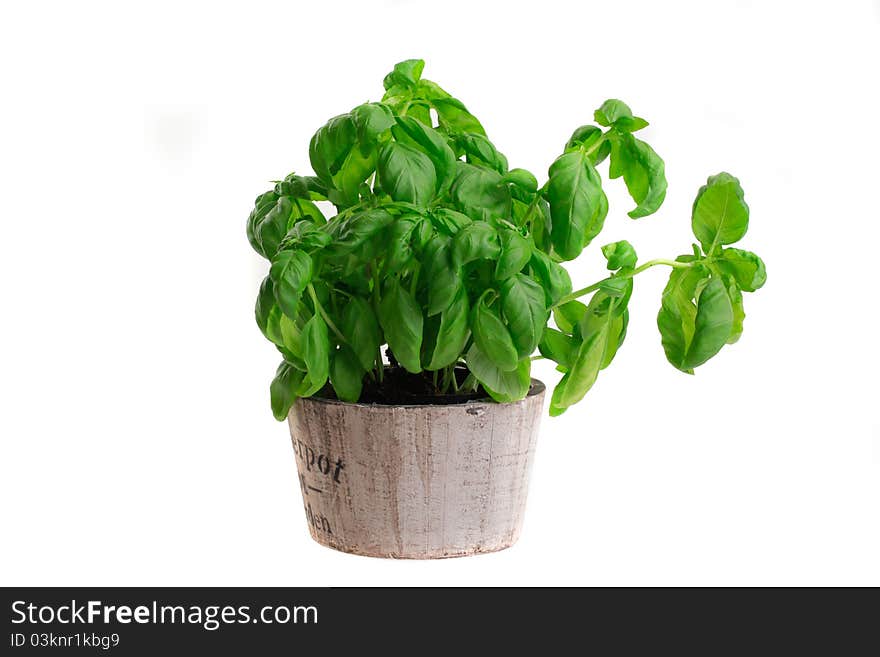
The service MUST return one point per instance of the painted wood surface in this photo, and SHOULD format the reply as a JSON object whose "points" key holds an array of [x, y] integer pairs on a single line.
{"points": [[415, 482]]}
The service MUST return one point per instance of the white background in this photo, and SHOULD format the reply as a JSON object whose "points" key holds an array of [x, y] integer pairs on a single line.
{"points": [[137, 442]]}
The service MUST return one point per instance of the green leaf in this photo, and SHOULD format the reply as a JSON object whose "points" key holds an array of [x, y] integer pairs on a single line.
{"points": [[479, 150], [271, 226], [406, 73], [355, 169], [448, 221], [316, 355], [400, 249], [551, 275], [643, 172], [330, 145], [453, 333], [739, 314], [361, 233], [402, 321], [371, 120], [584, 138], [291, 272], [453, 116], [262, 205], [444, 280], [523, 306], [406, 174], [616, 113], [478, 240], [602, 328], [746, 268], [493, 338], [574, 193], [720, 214], [276, 326], [346, 374], [696, 318], [521, 178], [516, 252], [569, 315], [606, 313], [282, 390], [414, 133], [620, 255], [558, 347], [502, 386], [361, 329], [479, 193], [713, 326]]}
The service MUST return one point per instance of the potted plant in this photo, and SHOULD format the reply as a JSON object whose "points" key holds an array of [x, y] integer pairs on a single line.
{"points": [[408, 321]]}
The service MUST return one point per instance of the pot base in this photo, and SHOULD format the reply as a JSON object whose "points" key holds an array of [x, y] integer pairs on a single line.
{"points": [[417, 556]]}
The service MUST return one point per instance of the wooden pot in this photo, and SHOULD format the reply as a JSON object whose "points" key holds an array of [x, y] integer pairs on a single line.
{"points": [[415, 482]]}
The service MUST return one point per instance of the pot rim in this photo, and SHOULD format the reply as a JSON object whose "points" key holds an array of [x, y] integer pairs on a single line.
{"points": [[536, 388]]}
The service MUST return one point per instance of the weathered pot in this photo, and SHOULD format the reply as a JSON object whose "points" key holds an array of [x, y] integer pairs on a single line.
{"points": [[415, 482]]}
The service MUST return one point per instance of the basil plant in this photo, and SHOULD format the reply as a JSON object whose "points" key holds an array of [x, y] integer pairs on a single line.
{"points": [[451, 260]]}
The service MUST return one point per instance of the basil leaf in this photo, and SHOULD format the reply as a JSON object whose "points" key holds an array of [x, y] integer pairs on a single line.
{"points": [[479, 150], [602, 328], [739, 314], [523, 179], [262, 205], [291, 272], [643, 172], [282, 390], [406, 174], [574, 193], [356, 230], [330, 145], [696, 318], [744, 267], [316, 355], [444, 280], [402, 321], [620, 255], [400, 250], [346, 374], [415, 133], [478, 240], [720, 214], [406, 73], [353, 171], [523, 306], [361, 328], [616, 113], [557, 346], [453, 116], [493, 338], [449, 221], [502, 386], [516, 252], [551, 275], [479, 193], [453, 333], [584, 138], [371, 120], [569, 315]]}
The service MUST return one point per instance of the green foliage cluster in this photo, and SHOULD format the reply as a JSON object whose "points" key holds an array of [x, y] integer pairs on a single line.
{"points": [[445, 254]]}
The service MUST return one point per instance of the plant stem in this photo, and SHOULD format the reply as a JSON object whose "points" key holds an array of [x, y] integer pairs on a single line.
{"points": [[415, 280], [324, 314], [454, 379], [595, 286]]}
